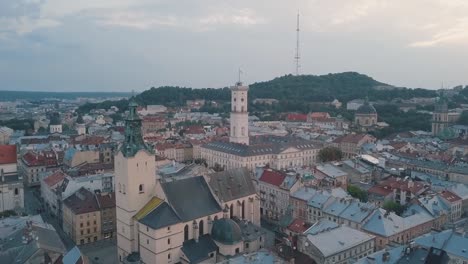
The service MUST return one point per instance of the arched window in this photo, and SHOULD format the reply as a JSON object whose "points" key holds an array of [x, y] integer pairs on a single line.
{"points": [[200, 228], [123, 188], [120, 188], [233, 131], [16, 191], [242, 108], [243, 131], [140, 188], [186, 233], [243, 209], [231, 211], [216, 217]]}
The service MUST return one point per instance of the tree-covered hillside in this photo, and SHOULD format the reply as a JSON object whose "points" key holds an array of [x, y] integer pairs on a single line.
{"points": [[291, 90]]}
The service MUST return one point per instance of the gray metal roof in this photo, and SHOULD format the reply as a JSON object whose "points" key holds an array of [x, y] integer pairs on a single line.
{"points": [[232, 184], [191, 198], [160, 217], [196, 252], [261, 145]]}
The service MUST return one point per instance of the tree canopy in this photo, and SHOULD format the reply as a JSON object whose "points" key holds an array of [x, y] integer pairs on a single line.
{"points": [[330, 154]]}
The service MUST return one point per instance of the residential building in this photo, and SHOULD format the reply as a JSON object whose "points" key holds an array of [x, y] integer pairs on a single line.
{"points": [[82, 217], [454, 203], [335, 244], [33, 163], [274, 188], [50, 186], [5, 134], [454, 244], [153, 124], [391, 228], [351, 144], [106, 204], [11, 184]]}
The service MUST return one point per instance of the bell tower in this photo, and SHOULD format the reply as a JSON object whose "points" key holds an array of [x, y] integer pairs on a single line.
{"points": [[239, 115], [135, 181]]}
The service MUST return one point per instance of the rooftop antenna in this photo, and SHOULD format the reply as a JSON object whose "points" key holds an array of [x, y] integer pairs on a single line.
{"points": [[297, 57], [239, 77]]}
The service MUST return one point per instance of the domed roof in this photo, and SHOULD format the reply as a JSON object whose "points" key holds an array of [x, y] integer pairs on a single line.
{"points": [[55, 119], [366, 109], [226, 231]]}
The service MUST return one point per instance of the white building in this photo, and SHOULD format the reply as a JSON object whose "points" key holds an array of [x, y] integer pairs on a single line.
{"points": [[5, 134], [11, 184], [329, 243], [242, 151], [152, 110], [188, 220], [239, 132], [274, 188]]}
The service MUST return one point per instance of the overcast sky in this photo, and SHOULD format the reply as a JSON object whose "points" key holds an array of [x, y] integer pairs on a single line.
{"points": [[120, 45]]}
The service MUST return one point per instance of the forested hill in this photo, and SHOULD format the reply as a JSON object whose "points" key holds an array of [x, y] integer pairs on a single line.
{"points": [[304, 88]]}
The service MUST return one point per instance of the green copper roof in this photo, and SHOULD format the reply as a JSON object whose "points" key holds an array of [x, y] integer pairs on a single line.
{"points": [[226, 231], [133, 137]]}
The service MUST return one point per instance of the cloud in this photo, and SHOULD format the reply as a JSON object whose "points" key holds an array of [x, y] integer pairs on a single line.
{"points": [[136, 20], [458, 33]]}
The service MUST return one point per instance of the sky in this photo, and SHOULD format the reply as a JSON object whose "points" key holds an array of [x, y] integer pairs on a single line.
{"points": [[124, 45]]}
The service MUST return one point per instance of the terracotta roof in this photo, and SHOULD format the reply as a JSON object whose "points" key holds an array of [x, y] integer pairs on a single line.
{"points": [[194, 130], [450, 196], [298, 226], [272, 177], [319, 115], [7, 154], [54, 178], [297, 117]]}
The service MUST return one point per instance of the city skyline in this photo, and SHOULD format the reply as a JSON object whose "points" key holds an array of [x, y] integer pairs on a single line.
{"points": [[124, 45]]}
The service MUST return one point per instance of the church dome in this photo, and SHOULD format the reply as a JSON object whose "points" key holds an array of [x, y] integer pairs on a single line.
{"points": [[366, 109], [226, 231], [55, 119]]}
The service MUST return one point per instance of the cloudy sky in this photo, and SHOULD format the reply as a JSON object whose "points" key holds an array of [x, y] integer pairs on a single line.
{"points": [[120, 45]]}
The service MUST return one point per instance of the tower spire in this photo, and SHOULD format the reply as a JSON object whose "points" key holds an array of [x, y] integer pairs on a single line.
{"points": [[297, 57], [133, 137]]}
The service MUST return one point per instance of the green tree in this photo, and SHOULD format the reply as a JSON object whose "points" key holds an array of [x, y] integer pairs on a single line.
{"points": [[330, 154], [393, 207], [463, 120], [357, 192]]}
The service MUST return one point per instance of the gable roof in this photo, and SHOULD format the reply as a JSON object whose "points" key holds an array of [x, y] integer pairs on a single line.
{"points": [[82, 201], [272, 177], [160, 217], [7, 154], [54, 178], [232, 184], [196, 252], [191, 198]]}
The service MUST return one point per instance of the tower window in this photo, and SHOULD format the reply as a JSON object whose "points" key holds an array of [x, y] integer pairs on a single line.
{"points": [[141, 188]]}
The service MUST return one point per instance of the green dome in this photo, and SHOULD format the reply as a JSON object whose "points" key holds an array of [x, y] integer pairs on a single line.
{"points": [[366, 109], [226, 231]]}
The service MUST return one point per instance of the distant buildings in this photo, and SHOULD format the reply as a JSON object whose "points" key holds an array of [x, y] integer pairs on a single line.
{"points": [[366, 115]]}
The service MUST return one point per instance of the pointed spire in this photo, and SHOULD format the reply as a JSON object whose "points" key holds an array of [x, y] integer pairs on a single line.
{"points": [[133, 136]]}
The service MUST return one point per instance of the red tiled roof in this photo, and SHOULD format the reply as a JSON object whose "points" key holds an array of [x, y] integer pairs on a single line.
{"points": [[7, 154], [194, 130], [54, 178], [272, 177], [450, 196], [297, 117], [298, 226]]}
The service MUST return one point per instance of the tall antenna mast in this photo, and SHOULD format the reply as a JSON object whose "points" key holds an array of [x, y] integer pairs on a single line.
{"points": [[297, 57]]}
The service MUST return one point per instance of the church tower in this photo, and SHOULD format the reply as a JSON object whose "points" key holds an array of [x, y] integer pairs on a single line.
{"points": [[135, 181], [440, 119], [239, 114]]}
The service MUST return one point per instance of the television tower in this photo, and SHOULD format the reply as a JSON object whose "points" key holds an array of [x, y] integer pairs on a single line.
{"points": [[297, 57]]}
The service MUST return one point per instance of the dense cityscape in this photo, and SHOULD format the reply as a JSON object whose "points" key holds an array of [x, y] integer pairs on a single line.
{"points": [[233, 132], [173, 184]]}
